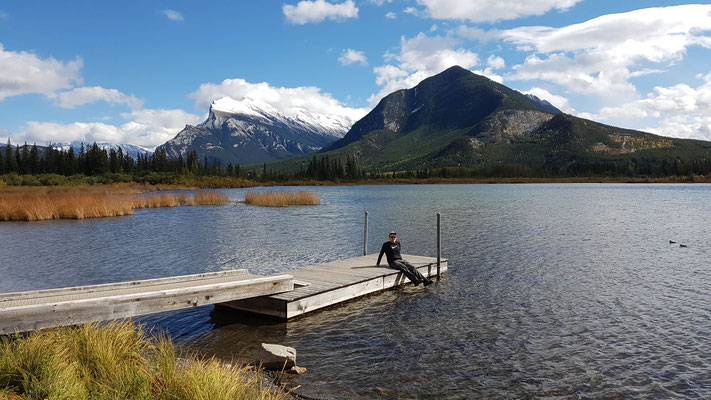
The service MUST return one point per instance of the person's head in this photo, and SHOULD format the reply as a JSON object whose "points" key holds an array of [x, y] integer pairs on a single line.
{"points": [[392, 237]]}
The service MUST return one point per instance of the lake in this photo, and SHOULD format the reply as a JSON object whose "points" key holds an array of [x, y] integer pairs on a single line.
{"points": [[568, 290]]}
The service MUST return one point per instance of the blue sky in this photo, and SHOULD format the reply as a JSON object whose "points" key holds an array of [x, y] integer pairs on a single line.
{"points": [[138, 71]]}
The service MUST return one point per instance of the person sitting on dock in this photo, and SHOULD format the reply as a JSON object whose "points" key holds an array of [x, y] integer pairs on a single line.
{"points": [[391, 249]]}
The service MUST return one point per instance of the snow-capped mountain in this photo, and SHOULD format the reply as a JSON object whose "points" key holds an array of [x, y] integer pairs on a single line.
{"points": [[130, 149], [250, 131]]}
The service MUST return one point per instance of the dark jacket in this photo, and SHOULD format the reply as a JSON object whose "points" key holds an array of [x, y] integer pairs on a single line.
{"points": [[391, 251]]}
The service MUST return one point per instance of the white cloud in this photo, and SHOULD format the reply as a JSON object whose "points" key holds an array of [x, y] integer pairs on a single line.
{"points": [[351, 56], [679, 111], [480, 35], [559, 102], [379, 2], [24, 73], [673, 100], [148, 128], [685, 127], [495, 62], [598, 56], [419, 58], [289, 101], [314, 11], [413, 11], [391, 15], [173, 15], [153, 127], [85, 95], [492, 63], [492, 10]]}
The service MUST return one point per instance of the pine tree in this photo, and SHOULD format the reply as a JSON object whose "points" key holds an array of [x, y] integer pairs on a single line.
{"points": [[70, 163], [10, 160], [34, 161]]}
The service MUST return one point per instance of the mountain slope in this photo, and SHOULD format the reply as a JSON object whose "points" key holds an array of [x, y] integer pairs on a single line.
{"points": [[458, 118], [251, 131]]}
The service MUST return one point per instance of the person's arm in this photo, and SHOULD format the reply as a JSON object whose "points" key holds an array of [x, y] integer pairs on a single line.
{"points": [[380, 256]]}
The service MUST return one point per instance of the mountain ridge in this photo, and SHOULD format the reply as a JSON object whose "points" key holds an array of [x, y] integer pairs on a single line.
{"points": [[458, 118], [252, 131]]}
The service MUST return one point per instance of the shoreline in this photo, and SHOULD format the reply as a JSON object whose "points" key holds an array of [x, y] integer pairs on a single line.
{"points": [[217, 182]]}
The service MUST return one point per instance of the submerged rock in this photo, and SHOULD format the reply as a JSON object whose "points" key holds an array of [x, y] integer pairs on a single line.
{"points": [[296, 370], [275, 356]]}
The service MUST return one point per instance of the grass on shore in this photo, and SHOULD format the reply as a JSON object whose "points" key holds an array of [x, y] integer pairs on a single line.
{"points": [[117, 360], [281, 198], [78, 202]]}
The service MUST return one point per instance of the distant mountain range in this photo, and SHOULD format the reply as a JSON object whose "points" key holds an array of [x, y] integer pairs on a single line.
{"points": [[130, 149], [252, 131], [458, 118]]}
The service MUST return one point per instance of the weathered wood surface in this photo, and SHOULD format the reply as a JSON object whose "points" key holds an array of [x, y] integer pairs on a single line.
{"points": [[25, 311], [323, 285]]}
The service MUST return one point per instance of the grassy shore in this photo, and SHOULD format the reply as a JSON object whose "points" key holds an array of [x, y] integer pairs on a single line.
{"points": [[117, 361], [32, 203], [274, 198]]}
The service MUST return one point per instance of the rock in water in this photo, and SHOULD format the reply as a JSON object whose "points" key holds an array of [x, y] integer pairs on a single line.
{"points": [[273, 356], [296, 370]]}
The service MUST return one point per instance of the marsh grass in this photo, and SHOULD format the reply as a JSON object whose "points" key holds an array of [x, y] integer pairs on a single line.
{"points": [[117, 360], [45, 203], [281, 198], [210, 198]]}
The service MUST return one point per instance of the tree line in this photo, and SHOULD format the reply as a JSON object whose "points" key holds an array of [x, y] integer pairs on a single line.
{"points": [[93, 160]]}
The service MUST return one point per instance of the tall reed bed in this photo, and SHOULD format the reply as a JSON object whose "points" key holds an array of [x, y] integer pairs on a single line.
{"points": [[117, 360], [281, 198], [37, 204]]}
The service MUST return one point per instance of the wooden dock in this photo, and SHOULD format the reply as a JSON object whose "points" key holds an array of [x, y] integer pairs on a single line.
{"points": [[26, 311], [323, 285], [284, 296]]}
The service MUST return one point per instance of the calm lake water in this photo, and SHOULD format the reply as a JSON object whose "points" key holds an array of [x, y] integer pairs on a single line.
{"points": [[554, 290]]}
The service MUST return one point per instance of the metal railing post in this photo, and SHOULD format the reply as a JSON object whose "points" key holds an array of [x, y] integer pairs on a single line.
{"points": [[439, 245], [365, 235]]}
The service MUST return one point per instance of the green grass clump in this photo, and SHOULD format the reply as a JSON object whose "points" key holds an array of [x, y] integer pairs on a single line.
{"points": [[117, 361]]}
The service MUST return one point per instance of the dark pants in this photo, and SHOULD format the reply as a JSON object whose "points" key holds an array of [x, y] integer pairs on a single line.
{"points": [[409, 270]]}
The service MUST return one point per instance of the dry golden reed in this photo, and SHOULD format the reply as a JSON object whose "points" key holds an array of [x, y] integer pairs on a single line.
{"points": [[43, 203], [210, 198], [281, 198]]}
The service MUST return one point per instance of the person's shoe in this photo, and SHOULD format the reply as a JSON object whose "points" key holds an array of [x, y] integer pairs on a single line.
{"points": [[416, 283], [428, 282]]}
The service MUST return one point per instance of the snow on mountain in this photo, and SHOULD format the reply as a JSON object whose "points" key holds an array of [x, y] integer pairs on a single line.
{"points": [[328, 125], [130, 149], [250, 130]]}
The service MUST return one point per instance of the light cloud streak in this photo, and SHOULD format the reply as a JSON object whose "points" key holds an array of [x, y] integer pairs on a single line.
{"points": [[315, 11]]}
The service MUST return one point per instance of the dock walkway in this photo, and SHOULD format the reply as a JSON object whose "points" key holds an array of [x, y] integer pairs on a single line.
{"points": [[283, 296], [323, 285], [26, 311]]}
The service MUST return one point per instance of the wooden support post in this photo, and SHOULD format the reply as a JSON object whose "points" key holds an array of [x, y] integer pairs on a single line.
{"points": [[439, 242], [365, 235]]}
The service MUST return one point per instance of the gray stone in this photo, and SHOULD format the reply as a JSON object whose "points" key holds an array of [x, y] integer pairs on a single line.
{"points": [[273, 356], [297, 370]]}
